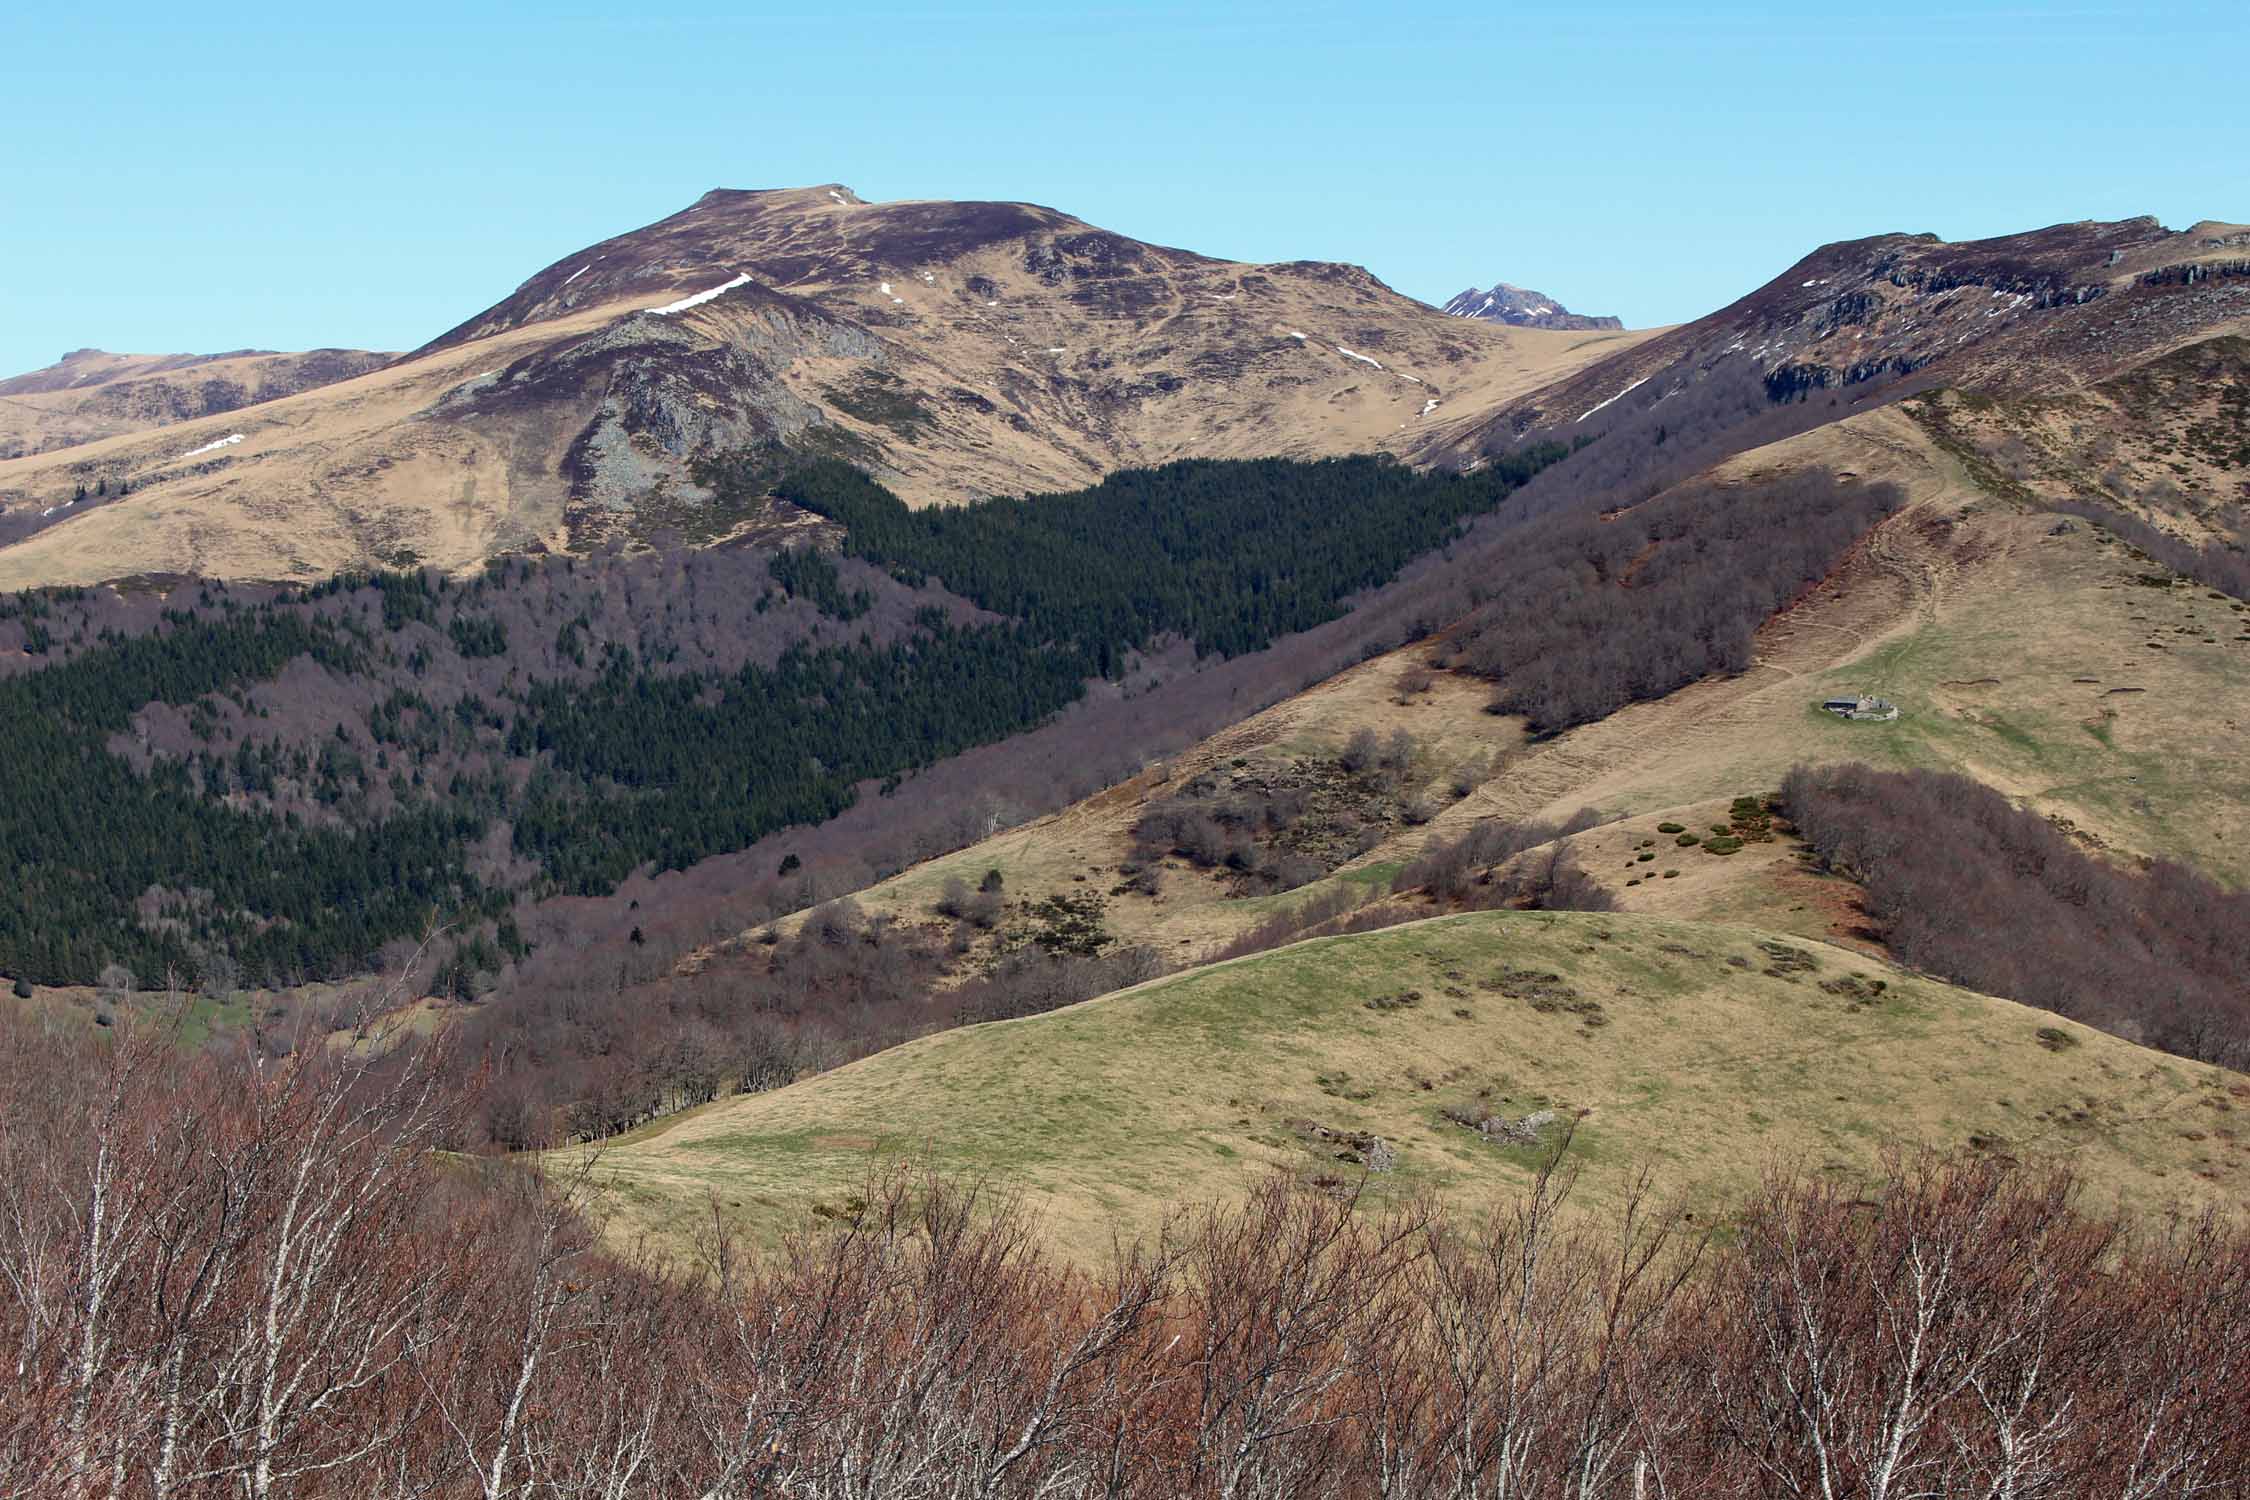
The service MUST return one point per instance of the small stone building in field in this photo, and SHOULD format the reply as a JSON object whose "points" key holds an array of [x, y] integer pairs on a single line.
{"points": [[1860, 706]]}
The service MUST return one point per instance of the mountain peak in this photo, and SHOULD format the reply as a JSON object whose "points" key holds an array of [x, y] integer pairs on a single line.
{"points": [[818, 195], [1521, 308]]}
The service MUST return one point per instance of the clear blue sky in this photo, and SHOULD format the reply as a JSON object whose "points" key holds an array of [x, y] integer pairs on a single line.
{"points": [[206, 177]]}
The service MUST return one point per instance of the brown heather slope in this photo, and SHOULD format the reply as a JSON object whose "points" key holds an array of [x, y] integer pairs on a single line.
{"points": [[954, 349], [2167, 441], [2049, 310], [90, 394]]}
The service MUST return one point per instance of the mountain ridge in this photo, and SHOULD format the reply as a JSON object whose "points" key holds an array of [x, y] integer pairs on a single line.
{"points": [[2041, 309], [90, 394], [954, 350]]}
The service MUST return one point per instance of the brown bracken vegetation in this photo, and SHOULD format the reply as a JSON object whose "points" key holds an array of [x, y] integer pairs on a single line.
{"points": [[266, 1281]]}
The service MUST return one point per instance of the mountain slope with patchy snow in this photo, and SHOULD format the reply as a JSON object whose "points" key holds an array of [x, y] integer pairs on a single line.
{"points": [[951, 349]]}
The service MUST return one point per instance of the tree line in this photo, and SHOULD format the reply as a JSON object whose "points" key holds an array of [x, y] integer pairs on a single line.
{"points": [[612, 715], [2220, 565], [1230, 553]]}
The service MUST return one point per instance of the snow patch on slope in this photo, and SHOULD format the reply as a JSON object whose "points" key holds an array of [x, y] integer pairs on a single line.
{"points": [[1636, 385], [700, 298], [213, 446]]}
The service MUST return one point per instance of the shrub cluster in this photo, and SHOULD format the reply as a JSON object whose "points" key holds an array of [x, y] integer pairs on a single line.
{"points": [[2217, 565], [1465, 870], [1964, 884], [1589, 613]]}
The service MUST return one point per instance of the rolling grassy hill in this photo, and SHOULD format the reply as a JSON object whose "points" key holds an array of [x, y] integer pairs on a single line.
{"points": [[1703, 1052]]}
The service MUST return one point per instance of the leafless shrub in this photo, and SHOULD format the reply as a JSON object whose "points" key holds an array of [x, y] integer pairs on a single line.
{"points": [[1593, 613], [1447, 868], [215, 1282]]}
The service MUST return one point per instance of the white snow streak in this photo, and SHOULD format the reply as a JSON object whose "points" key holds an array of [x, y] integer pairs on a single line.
{"points": [[839, 197], [1363, 359], [700, 298], [1058, 351], [1293, 333], [1636, 385], [216, 443], [573, 276], [1429, 406]]}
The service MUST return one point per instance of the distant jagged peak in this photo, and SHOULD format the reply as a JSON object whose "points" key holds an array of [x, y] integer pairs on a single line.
{"points": [[1519, 307]]}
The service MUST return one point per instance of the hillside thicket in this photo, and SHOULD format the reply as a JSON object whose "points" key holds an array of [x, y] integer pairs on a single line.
{"points": [[2216, 565], [1969, 887], [1588, 613]]}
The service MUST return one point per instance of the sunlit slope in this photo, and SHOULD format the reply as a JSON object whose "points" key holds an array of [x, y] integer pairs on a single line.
{"points": [[952, 349], [2041, 660], [1705, 1052]]}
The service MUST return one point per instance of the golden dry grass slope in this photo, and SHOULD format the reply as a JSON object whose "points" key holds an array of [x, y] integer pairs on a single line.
{"points": [[955, 349], [1703, 1052], [90, 394]]}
